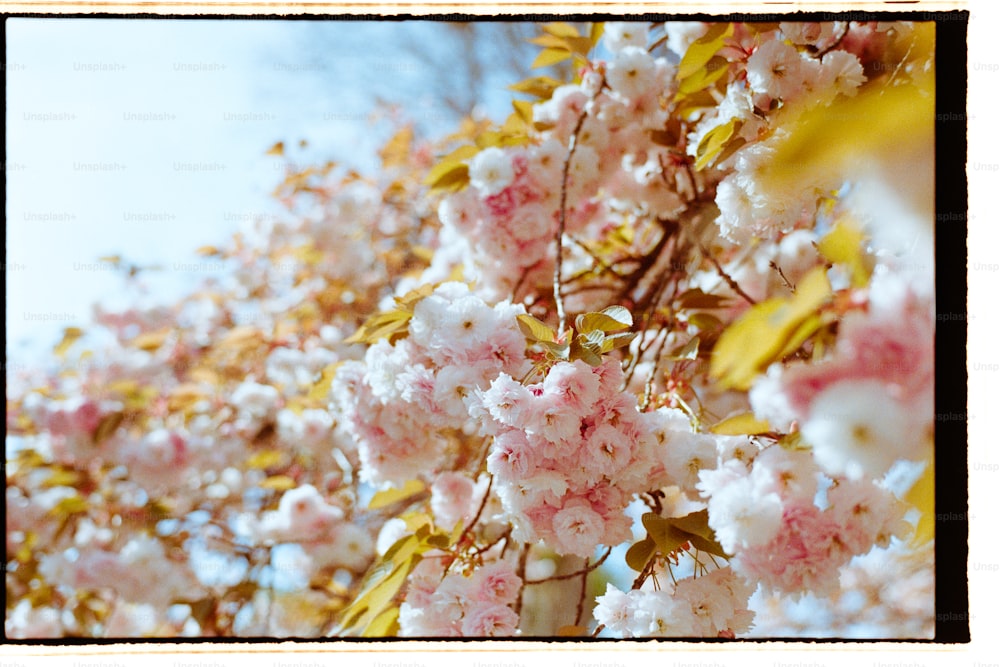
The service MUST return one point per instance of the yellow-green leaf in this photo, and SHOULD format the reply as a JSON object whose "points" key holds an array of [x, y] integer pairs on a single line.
{"points": [[596, 31], [704, 77], [686, 352], [270, 458], [539, 86], [714, 141], [598, 322], [762, 335], [151, 340], [580, 348], [70, 336], [319, 393], [703, 49], [844, 244], [550, 41], [888, 131], [394, 495], [396, 151], [551, 57], [62, 477], [560, 29], [535, 330], [381, 325], [614, 341], [67, 506], [524, 110], [278, 483], [639, 553], [107, 426], [921, 496], [742, 424], [378, 591], [385, 624], [448, 170], [668, 538]]}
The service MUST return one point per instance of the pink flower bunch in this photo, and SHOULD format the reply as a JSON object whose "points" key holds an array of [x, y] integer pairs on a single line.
{"points": [[567, 455], [870, 402], [474, 604], [769, 519], [399, 403], [710, 605]]}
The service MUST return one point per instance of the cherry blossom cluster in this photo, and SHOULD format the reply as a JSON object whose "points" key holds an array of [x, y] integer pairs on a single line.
{"points": [[455, 604], [870, 402], [387, 418], [712, 605], [401, 401]]}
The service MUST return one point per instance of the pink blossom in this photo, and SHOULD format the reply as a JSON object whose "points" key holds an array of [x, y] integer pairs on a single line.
{"points": [[578, 529], [491, 620], [805, 555], [496, 583]]}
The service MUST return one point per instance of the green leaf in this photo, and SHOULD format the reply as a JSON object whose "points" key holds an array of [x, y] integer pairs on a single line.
{"points": [[714, 141], [70, 336], [535, 330], [551, 57], [704, 321], [743, 424], [279, 483], [378, 590], [67, 506], [668, 538], [709, 546], [557, 350], [608, 320], [439, 541], [685, 352], [764, 333], [541, 87], [639, 553], [695, 299], [921, 496], [560, 29], [271, 458], [452, 171], [695, 523], [394, 495], [583, 350], [402, 549], [704, 77], [107, 426], [385, 624], [703, 49], [524, 110], [845, 245], [614, 341]]}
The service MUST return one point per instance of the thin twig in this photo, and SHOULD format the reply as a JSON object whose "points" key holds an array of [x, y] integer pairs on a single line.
{"points": [[557, 273], [647, 392], [788, 284], [583, 594], [479, 513], [522, 563], [847, 28], [729, 279], [586, 570]]}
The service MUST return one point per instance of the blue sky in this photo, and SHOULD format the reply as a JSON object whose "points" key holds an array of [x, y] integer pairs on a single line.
{"points": [[147, 139]]}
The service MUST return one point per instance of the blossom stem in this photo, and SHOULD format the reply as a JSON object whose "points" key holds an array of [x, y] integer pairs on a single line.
{"points": [[586, 570], [583, 593], [733, 285], [557, 273]]}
